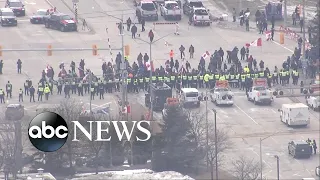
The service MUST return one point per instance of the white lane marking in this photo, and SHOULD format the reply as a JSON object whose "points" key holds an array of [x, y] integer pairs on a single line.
{"points": [[30, 107], [246, 114], [259, 156], [23, 20], [282, 46]]}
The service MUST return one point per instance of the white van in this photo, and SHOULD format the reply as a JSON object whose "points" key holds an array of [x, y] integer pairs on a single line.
{"points": [[190, 96], [295, 114]]}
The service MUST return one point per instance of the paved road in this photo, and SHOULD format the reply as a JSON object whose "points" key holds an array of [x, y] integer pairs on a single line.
{"points": [[245, 121]]}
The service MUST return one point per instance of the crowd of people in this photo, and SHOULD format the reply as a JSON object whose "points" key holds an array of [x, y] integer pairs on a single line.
{"points": [[177, 72]]}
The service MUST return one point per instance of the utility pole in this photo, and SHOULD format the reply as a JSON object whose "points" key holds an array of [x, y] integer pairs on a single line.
{"points": [[304, 63], [240, 6], [278, 168], [18, 146], [75, 6], [150, 80], [123, 69], [207, 132], [285, 15]]}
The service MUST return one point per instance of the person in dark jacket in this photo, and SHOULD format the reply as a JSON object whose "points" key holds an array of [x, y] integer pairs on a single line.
{"points": [[221, 53], [191, 51], [134, 30], [129, 22], [143, 23], [242, 53], [19, 65]]}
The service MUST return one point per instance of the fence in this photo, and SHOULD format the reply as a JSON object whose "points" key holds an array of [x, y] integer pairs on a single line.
{"points": [[293, 35]]}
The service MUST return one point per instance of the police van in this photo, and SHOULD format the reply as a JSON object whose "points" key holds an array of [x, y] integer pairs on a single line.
{"points": [[190, 97]]}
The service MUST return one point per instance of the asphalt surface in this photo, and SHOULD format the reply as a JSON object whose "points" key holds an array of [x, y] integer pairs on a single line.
{"points": [[245, 122]]}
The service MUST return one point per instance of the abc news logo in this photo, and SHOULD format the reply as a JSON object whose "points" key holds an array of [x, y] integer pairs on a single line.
{"points": [[48, 131]]}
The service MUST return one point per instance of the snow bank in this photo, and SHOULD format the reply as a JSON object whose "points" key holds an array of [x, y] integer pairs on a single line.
{"points": [[139, 174]]}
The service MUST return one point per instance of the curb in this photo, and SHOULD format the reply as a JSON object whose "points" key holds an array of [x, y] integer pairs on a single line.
{"points": [[92, 31]]}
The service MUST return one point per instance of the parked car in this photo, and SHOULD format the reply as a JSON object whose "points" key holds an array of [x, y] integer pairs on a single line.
{"points": [[60, 21], [7, 17], [17, 7], [40, 16]]}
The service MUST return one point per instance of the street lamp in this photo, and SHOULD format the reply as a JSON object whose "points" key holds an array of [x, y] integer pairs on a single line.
{"points": [[215, 141], [278, 170], [262, 139], [150, 75], [123, 63]]}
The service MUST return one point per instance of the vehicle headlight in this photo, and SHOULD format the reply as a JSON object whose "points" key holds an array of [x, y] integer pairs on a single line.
{"points": [[22, 9]]}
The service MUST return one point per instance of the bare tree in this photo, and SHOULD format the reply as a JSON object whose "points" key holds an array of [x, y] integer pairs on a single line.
{"points": [[199, 129], [8, 148], [70, 110], [246, 168]]}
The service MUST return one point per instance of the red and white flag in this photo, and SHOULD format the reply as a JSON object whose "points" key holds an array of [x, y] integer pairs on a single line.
{"points": [[206, 54], [149, 66], [268, 35], [255, 43]]}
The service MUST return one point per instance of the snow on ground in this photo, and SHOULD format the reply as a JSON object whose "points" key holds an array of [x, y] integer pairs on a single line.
{"points": [[138, 174]]}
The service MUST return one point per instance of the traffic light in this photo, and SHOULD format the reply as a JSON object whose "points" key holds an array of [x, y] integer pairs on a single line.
{"points": [[126, 51], [0, 50], [94, 50], [49, 50]]}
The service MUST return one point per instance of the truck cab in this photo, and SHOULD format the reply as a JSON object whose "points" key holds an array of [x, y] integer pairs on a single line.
{"points": [[170, 10], [188, 6], [221, 94], [200, 16], [158, 94], [295, 114], [259, 93], [190, 97], [313, 102], [147, 9]]}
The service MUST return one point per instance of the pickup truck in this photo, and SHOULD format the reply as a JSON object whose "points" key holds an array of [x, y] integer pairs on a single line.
{"points": [[313, 102], [170, 10], [259, 93], [200, 16], [221, 94], [189, 5]]}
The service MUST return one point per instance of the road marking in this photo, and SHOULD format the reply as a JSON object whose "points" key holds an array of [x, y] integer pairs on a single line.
{"points": [[23, 20], [282, 46], [29, 108], [246, 114]]}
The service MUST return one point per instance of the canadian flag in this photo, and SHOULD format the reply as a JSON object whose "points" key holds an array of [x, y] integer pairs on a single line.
{"points": [[206, 54], [149, 66], [268, 35], [257, 42]]}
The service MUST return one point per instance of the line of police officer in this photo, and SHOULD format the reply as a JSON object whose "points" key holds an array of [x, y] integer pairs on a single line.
{"points": [[107, 84], [100, 86]]}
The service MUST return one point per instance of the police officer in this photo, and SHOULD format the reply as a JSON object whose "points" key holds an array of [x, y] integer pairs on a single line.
{"points": [[73, 87], [101, 91], [66, 90], [47, 91], [9, 89], [92, 92], [40, 93], [20, 95], [141, 83], [26, 88], [2, 96], [59, 87], [80, 89], [31, 91]]}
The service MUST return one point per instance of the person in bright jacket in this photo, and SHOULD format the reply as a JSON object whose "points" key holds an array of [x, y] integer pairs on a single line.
{"points": [[47, 91]]}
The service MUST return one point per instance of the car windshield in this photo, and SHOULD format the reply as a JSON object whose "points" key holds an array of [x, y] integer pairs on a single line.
{"points": [[148, 6], [172, 6], [201, 12], [66, 17], [15, 4], [196, 4], [192, 94], [260, 88], [7, 14], [41, 12]]}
